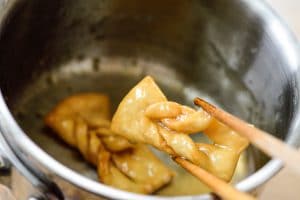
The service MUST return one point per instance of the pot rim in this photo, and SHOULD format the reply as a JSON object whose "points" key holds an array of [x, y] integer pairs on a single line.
{"points": [[20, 142]]}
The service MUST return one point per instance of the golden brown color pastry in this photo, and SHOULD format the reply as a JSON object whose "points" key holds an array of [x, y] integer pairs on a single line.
{"points": [[82, 121], [155, 120]]}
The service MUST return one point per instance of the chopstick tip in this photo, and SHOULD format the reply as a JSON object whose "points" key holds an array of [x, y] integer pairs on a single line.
{"points": [[201, 102], [197, 101], [205, 105]]}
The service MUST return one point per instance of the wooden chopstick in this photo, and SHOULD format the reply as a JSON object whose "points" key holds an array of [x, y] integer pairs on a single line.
{"points": [[261, 139], [6, 193], [218, 186]]}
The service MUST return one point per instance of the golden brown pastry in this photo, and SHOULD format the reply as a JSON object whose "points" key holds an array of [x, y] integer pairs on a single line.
{"points": [[82, 121], [155, 120]]}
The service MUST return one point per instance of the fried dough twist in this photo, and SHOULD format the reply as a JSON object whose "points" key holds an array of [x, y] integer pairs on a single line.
{"points": [[145, 115], [83, 122]]}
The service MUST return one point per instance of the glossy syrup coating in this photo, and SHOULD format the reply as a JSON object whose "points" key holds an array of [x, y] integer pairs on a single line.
{"points": [[166, 125], [83, 122]]}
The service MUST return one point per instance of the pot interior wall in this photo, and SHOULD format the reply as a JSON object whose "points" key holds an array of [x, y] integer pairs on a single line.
{"points": [[215, 49]]}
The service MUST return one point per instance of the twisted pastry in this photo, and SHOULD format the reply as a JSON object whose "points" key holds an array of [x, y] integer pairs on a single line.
{"points": [[82, 121], [167, 125]]}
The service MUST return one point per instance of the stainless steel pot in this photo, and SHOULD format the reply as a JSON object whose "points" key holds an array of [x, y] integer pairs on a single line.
{"points": [[238, 53]]}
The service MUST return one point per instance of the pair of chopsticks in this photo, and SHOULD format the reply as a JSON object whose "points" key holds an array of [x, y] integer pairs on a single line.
{"points": [[261, 139]]}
